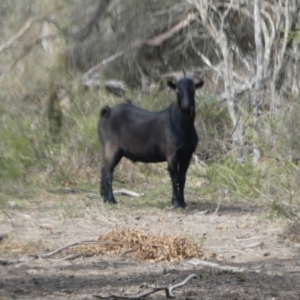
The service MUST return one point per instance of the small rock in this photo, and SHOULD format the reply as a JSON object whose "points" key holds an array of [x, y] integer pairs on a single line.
{"points": [[12, 204], [3, 236], [19, 291], [46, 226], [25, 216], [144, 285], [32, 272]]}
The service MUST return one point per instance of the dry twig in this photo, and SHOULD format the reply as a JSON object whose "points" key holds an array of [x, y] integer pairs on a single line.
{"points": [[50, 254], [6, 262], [198, 262], [128, 193], [19, 34], [167, 289]]}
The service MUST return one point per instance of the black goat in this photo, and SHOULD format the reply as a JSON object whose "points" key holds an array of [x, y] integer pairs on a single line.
{"points": [[151, 137]]}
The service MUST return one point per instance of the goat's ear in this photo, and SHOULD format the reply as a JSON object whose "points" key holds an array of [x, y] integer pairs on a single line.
{"points": [[199, 84], [172, 85]]}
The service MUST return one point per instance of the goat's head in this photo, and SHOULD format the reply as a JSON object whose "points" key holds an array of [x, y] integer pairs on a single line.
{"points": [[185, 88]]}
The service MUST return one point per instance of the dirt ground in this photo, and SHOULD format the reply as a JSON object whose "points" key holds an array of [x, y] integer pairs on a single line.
{"points": [[268, 263]]}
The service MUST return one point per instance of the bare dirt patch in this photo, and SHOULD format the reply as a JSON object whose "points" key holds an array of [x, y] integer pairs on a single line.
{"points": [[267, 263]]}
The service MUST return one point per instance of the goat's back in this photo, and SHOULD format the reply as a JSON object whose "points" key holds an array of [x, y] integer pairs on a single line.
{"points": [[140, 134], [126, 116]]}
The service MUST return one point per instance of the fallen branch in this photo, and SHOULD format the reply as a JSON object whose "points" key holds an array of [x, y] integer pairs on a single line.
{"points": [[112, 85], [167, 289], [50, 254], [6, 262], [217, 209], [19, 34], [254, 245], [70, 257], [128, 193], [102, 63], [126, 252], [198, 262]]}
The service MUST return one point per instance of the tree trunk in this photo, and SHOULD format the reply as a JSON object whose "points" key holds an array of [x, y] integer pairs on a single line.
{"points": [[258, 86]]}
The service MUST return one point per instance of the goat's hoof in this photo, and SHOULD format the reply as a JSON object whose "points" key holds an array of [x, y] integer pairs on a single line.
{"points": [[109, 201], [179, 205], [113, 201], [183, 206], [176, 204]]}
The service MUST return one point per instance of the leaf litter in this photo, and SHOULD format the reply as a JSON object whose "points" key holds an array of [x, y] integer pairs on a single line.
{"points": [[142, 245]]}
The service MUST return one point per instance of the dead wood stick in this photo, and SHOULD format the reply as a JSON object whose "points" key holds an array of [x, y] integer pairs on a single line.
{"points": [[104, 62], [198, 262], [17, 35], [217, 207], [10, 220], [6, 262], [248, 238], [128, 193], [50, 254], [167, 289], [126, 252], [254, 245], [70, 257]]}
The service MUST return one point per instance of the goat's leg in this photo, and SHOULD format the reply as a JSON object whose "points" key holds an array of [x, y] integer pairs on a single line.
{"points": [[103, 185], [173, 171], [109, 195], [107, 176], [183, 167], [181, 185], [106, 186]]}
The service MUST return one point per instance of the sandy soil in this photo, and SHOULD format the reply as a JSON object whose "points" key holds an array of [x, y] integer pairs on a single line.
{"points": [[232, 237]]}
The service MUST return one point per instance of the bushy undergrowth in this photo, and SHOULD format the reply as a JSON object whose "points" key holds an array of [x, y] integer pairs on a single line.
{"points": [[238, 180], [28, 154]]}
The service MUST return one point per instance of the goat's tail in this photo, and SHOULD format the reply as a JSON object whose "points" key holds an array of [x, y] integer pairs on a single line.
{"points": [[105, 111]]}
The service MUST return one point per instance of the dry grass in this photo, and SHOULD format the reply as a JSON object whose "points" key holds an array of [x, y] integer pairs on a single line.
{"points": [[16, 248], [143, 245]]}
